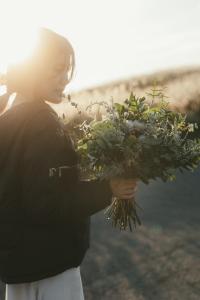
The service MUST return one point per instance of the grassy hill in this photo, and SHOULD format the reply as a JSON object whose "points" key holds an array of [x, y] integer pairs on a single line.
{"points": [[182, 88]]}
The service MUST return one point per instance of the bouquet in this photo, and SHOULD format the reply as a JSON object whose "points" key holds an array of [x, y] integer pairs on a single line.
{"points": [[136, 140]]}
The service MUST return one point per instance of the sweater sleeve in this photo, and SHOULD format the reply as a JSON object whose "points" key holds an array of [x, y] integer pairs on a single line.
{"points": [[51, 189]]}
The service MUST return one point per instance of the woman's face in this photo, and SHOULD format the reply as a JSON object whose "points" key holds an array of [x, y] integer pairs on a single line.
{"points": [[55, 79]]}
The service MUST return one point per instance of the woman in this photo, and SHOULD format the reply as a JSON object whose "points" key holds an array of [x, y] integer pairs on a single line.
{"points": [[44, 208]]}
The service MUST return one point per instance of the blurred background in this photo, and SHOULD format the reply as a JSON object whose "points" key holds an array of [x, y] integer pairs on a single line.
{"points": [[124, 46]]}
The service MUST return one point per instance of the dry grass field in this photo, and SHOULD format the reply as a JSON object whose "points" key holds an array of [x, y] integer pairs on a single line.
{"points": [[180, 85]]}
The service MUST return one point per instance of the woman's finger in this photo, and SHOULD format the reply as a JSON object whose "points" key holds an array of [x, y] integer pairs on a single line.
{"points": [[128, 190], [127, 194]]}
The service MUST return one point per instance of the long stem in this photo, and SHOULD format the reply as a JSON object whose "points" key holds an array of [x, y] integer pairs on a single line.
{"points": [[123, 213]]}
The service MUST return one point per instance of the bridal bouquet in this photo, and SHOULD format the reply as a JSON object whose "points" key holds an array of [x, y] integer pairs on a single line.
{"points": [[136, 140]]}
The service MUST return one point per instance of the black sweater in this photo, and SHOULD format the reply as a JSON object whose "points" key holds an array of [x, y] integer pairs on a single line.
{"points": [[45, 208]]}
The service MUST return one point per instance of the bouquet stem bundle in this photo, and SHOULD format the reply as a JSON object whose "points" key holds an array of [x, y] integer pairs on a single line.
{"points": [[123, 213]]}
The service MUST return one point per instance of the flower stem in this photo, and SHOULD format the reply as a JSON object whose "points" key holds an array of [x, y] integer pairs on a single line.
{"points": [[123, 213]]}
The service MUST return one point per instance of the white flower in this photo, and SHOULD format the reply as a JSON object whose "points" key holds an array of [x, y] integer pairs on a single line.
{"points": [[191, 128]]}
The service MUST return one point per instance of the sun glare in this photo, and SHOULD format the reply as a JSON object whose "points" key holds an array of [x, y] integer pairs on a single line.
{"points": [[17, 46], [17, 43]]}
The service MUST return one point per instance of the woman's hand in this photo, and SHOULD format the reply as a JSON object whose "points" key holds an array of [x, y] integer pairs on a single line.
{"points": [[123, 188]]}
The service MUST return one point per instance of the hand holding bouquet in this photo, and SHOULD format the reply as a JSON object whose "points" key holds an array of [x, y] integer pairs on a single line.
{"points": [[136, 140]]}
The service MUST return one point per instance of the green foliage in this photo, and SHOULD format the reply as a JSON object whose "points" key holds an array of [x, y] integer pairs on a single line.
{"points": [[139, 140]]}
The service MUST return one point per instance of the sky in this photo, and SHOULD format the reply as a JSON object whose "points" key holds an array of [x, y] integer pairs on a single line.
{"points": [[112, 39]]}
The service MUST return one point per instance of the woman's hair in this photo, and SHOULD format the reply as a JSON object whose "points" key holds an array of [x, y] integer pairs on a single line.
{"points": [[27, 73]]}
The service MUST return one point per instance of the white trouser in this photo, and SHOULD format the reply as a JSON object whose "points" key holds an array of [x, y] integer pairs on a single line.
{"points": [[64, 286]]}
